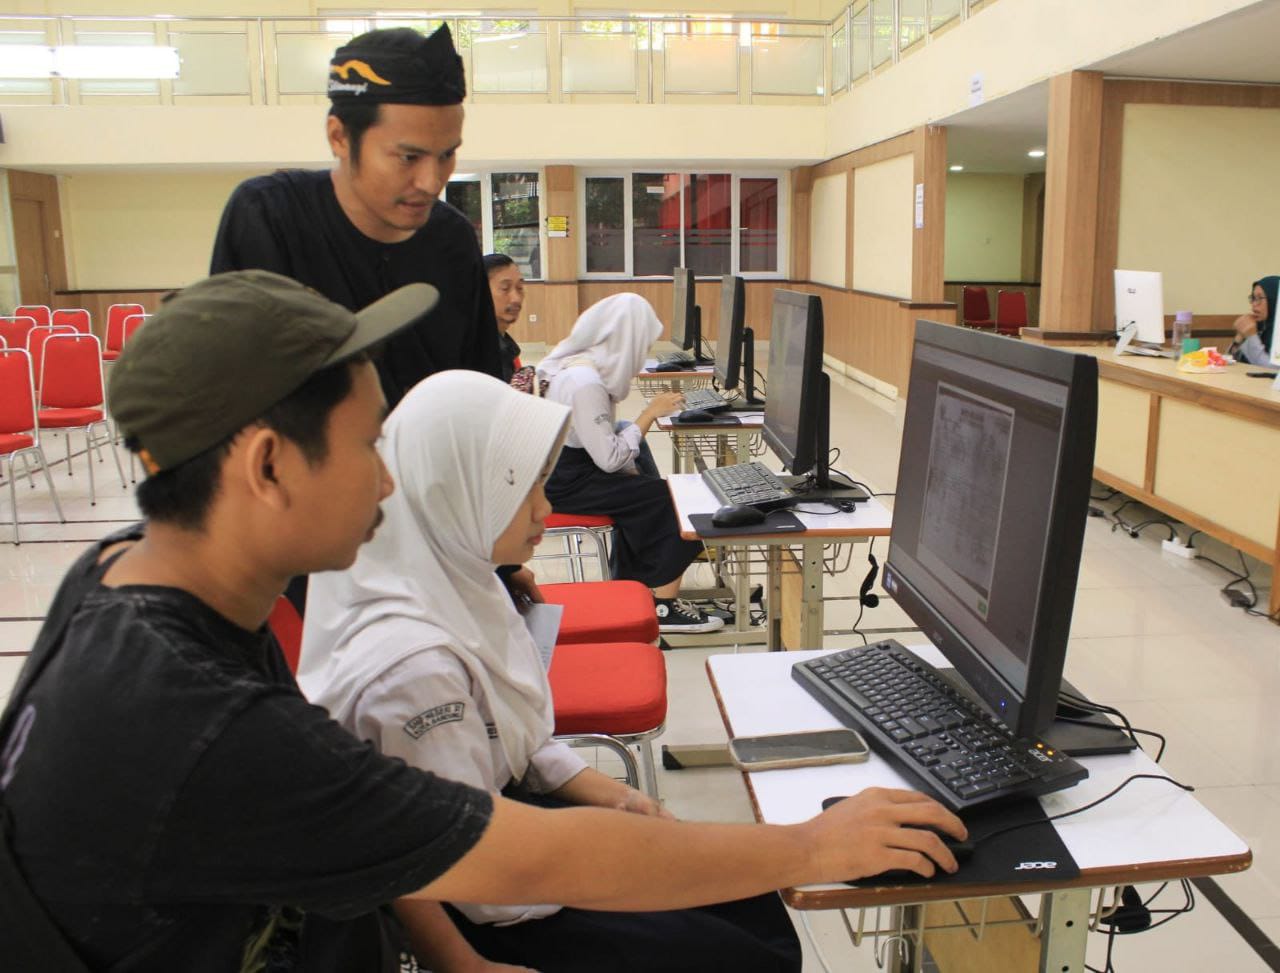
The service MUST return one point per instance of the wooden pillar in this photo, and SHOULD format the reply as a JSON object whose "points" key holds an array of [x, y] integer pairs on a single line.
{"points": [[1071, 201], [928, 243], [801, 201], [558, 302]]}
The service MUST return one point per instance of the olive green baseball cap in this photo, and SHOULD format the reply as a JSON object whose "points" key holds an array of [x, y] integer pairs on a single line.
{"points": [[223, 351]]}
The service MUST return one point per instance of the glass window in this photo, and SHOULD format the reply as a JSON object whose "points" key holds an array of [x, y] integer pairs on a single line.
{"points": [[515, 220], [465, 195], [911, 22], [606, 225], [708, 231], [943, 12], [757, 225], [860, 41], [881, 31], [655, 223]]}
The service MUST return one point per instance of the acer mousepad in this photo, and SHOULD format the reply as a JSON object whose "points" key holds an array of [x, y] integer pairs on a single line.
{"points": [[775, 522], [1033, 853]]}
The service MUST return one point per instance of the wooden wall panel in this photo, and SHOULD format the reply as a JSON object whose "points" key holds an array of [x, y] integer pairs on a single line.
{"points": [[562, 252], [801, 198], [928, 243]]}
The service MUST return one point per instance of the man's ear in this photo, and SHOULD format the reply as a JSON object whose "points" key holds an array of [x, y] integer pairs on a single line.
{"points": [[261, 467], [336, 133]]}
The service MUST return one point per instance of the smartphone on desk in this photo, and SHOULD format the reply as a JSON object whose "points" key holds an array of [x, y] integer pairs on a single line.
{"points": [[808, 749]]}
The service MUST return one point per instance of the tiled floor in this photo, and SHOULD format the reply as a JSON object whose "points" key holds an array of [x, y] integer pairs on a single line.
{"points": [[1151, 635]]}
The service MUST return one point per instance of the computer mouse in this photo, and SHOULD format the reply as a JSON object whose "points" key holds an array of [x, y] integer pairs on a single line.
{"points": [[670, 366], [962, 850], [737, 516], [695, 415]]}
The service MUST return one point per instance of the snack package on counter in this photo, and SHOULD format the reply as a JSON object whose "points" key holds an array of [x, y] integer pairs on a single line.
{"points": [[1204, 360]]}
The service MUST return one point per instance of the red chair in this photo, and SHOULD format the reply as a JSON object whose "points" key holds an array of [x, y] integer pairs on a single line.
{"points": [[117, 314], [574, 529], [75, 317], [603, 611], [71, 396], [1011, 312], [977, 307], [286, 625], [37, 337], [37, 312], [19, 427], [14, 330], [612, 695], [132, 323]]}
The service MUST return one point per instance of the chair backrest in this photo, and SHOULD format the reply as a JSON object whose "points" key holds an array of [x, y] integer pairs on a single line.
{"points": [[286, 625], [37, 312], [131, 324], [71, 372], [37, 337], [117, 314], [1011, 309], [14, 330], [76, 317], [17, 400], [976, 305]]}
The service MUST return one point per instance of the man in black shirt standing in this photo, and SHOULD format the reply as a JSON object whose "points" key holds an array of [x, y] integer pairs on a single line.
{"points": [[376, 221]]}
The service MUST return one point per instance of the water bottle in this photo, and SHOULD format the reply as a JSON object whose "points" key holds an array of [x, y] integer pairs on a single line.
{"points": [[1181, 330]]}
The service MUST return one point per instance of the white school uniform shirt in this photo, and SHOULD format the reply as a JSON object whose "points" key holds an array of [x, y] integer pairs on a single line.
{"points": [[593, 420]]}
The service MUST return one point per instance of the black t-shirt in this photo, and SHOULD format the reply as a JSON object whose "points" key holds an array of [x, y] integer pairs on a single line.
{"points": [[291, 222], [175, 798]]}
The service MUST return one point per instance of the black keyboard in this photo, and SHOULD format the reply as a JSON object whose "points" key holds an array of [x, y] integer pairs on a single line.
{"points": [[939, 739], [748, 484], [706, 400]]}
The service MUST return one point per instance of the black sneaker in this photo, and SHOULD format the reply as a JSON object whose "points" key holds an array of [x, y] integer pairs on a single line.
{"points": [[678, 615]]}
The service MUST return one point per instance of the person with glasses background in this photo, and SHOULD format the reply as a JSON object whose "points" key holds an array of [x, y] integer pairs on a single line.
{"points": [[1254, 330]]}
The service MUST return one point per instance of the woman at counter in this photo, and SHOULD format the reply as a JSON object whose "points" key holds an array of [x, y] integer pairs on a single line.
{"points": [[1254, 330]]}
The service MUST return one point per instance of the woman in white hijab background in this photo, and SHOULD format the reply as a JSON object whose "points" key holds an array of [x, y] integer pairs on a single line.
{"points": [[419, 648], [597, 473]]}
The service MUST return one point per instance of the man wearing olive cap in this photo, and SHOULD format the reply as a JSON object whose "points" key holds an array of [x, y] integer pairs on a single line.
{"points": [[376, 221]]}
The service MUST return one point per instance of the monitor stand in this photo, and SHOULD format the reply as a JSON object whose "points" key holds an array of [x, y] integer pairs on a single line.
{"points": [[835, 493], [1099, 736], [749, 402]]}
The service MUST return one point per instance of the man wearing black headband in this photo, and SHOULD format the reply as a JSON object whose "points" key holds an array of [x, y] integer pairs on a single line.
{"points": [[376, 221]]}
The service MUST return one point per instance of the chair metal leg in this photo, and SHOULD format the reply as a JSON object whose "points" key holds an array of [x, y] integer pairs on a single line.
{"points": [[48, 479], [66, 434], [114, 455], [88, 457], [650, 772], [629, 768], [13, 497]]}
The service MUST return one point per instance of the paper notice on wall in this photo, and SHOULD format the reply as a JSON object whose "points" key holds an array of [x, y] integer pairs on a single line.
{"points": [[919, 206], [976, 96]]}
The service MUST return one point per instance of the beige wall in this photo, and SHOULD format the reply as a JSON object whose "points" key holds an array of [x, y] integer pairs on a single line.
{"points": [[984, 226], [142, 230], [883, 220], [827, 230], [1014, 43], [1198, 201]]}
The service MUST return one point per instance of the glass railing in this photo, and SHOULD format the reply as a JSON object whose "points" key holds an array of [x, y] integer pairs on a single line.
{"points": [[88, 60]]}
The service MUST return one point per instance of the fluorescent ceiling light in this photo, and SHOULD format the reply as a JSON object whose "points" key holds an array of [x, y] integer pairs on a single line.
{"points": [[122, 62], [957, 168], [27, 61], [1036, 153]]}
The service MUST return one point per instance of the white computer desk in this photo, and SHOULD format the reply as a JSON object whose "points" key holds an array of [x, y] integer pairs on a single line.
{"points": [[870, 519], [1149, 832], [691, 441]]}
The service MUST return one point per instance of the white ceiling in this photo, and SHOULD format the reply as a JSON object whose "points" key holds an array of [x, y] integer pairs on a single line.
{"points": [[1240, 47]]}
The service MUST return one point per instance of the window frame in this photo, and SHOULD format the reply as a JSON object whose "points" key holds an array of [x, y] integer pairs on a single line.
{"points": [[736, 176], [485, 178]]}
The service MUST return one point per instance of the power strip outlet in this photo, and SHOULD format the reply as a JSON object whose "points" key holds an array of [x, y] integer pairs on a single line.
{"points": [[1180, 549]]}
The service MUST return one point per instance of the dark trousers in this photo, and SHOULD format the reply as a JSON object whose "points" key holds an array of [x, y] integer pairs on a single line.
{"points": [[647, 544], [746, 936]]}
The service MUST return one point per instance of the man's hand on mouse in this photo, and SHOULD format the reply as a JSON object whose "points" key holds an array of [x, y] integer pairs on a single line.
{"points": [[879, 830]]}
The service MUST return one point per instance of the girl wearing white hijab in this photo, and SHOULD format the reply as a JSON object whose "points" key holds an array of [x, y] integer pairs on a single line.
{"points": [[591, 371], [418, 648]]}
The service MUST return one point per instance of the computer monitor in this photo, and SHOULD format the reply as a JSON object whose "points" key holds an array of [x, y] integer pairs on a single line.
{"points": [[797, 414], [1140, 305], [735, 344], [795, 364], [686, 316], [989, 515]]}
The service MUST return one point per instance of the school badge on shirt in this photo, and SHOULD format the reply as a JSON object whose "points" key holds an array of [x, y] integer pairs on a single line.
{"points": [[429, 719]]}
